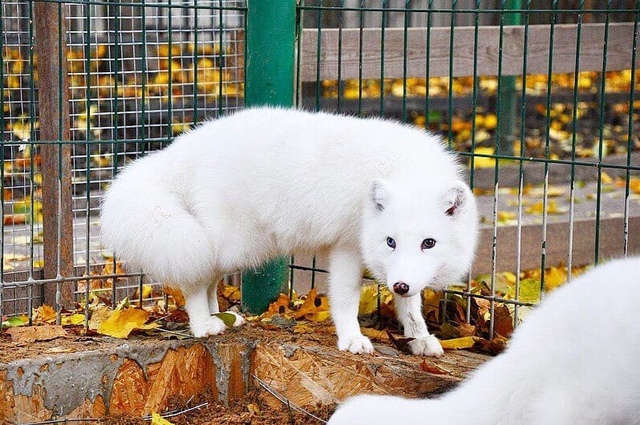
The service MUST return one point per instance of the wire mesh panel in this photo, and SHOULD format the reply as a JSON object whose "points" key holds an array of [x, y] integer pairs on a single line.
{"points": [[538, 98], [138, 75]]}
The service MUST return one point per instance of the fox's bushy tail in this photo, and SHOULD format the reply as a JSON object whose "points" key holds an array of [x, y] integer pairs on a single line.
{"points": [[150, 227]]}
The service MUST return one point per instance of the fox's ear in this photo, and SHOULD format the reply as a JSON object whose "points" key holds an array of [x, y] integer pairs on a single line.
{"points": [[379, 195], [456, 199]]}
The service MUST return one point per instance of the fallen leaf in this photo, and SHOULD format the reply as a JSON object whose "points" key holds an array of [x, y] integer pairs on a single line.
{"points": [[432, 368], [253, 408], [493, 347], [72, 320], [554, 277], [552, 208], [368, 299], [44, 314], [484, 162], [31, 334], [231, 293], [459, 343], [503, 320], [605, 178], [506, 217], [176, 294], [400, 343], [122, 322], [375, 334], [15, 321], [156, 419], [227, 318], [314, 308]]}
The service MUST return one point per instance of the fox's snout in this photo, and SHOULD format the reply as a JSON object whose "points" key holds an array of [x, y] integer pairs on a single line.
{"points": [[400, 288]]}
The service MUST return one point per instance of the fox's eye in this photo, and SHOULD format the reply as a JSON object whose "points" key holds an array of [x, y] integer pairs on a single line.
{"points": [[391, 243], [428, 244]]}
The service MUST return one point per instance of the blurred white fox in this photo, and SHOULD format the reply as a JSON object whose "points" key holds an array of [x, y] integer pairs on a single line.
{"points": [[573, 361]]}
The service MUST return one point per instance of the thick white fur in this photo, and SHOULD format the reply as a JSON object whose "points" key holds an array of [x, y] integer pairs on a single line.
{"points": [[265, 182], [573, 361]]}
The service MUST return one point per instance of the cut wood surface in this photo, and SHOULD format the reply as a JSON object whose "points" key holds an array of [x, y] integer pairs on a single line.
{"points": [[100, 377]]}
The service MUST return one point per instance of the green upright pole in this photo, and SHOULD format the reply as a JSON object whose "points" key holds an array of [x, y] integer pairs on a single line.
{"points": [[509, 93], [269, 80]]}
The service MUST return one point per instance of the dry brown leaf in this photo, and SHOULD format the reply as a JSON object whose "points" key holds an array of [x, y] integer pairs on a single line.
{"points": [[375, 334], [432, 368], [176, 294], [44, 314], [279, 307], [314, 308], [30, 334]]}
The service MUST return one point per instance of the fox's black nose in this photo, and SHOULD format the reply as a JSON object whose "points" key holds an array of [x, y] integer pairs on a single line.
{"points": [[400, 288]]}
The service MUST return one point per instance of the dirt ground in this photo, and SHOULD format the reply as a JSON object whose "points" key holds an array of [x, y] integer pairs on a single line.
{"points": [[252, 410]]}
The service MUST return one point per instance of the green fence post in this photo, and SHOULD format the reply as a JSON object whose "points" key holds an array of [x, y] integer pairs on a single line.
{"points": [[269, 80], [509, 93]]}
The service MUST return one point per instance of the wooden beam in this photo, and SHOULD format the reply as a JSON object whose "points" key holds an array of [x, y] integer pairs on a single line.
{"points": [[618, 50], [53, 107]]}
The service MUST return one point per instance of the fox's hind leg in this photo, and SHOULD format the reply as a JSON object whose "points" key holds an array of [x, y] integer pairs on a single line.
{"points": [[212, 295], [214, 307], [200, 319]]}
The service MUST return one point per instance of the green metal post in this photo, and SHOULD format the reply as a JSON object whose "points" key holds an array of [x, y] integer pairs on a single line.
{"points": [[269, 80], [509, 93]]}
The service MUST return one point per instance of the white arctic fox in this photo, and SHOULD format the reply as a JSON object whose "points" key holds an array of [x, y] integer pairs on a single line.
{"points": [[264, 182], [573, 361]]}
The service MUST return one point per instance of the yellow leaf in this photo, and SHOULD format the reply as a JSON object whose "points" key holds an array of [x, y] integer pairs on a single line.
{"points": [[122, 322], [232, 293], [506, 217], [320, 316], [44, 314], [554, 277], [634, 185], [459, 343], [605, 178], [530, 290], [483, 162], [279, 307], [74, 319], [368, 299], [552, 208], [156, 419]]}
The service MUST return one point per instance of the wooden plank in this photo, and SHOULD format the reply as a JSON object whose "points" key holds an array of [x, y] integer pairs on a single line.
{"points": [[487, 54]]}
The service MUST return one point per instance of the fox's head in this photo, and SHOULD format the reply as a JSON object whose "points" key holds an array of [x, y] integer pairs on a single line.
{"points": [[419, 236]]}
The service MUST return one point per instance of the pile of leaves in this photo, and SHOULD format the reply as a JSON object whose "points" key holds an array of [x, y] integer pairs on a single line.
{"points": [[454, 315], [549, 104]]}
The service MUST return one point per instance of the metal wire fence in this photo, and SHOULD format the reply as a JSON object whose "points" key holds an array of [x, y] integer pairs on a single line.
{"points": [[138, 75], [539, 97]]}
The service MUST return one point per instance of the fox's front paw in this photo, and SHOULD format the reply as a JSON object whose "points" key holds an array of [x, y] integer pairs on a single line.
{"points": [[209, 326], [426, 346], [357, 344]]}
